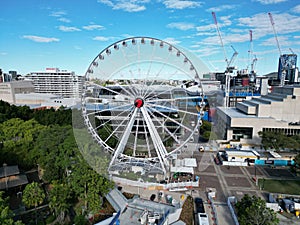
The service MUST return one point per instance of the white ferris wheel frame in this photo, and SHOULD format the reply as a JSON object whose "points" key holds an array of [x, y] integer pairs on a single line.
{"points": [[150, 108]]}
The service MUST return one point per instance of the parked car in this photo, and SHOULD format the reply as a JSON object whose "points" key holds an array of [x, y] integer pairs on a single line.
{"points": [[199, 205]]}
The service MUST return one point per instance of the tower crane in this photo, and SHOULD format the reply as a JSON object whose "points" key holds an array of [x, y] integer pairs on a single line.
{"points": [[282, 60], [252, 58], [229, 67]]}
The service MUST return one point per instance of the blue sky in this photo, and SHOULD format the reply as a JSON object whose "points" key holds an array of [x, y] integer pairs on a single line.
{"points": [[36, 34]]}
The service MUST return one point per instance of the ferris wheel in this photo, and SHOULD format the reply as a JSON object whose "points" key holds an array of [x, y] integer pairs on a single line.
{"points": [[142, 102]]}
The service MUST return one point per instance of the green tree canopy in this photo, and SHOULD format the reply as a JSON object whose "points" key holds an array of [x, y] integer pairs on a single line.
{"points": [[60, 200], [18, 137], [55, 150], [6, 215], [33, 195], [89, 186], [252, 210], [297, 160], [277, 140]]}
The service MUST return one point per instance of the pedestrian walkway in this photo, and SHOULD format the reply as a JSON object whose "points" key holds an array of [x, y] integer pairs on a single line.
{"points": [[117, 200]]}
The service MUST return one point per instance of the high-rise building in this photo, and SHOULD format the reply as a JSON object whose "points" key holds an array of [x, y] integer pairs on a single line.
{"points": [[287, 67], [59, 82], [13, 74], [4, 77]]}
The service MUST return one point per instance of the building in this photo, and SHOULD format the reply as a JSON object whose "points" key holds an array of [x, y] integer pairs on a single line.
{"points": [[277, 111], [58, 82], [8, 90], [10, 177], [4, 77], [287, 69]]}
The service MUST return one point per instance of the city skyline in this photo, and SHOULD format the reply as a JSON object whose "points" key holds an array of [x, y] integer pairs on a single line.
{"points": [[39, 34]]}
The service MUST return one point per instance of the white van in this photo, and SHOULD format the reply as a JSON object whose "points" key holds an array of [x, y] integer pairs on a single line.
{"points": [[203, 219]]}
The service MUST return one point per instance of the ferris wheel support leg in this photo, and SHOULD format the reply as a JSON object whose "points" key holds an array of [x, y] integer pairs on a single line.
{"points": [[124, 138], [159, 146]]}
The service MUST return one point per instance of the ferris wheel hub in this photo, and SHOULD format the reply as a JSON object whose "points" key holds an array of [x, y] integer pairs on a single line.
{"points": [[139, 102]]}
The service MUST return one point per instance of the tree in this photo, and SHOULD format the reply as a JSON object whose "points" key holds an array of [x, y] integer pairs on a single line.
{"points": [[54, 150], [297, 161], [89, 186], [253, 211], [33, 195], [6, 215], [18, 138], [277, 140], [60, 200]]}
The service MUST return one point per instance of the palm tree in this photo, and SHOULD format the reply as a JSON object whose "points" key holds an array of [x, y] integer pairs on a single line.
{"points": [[33, 195]]}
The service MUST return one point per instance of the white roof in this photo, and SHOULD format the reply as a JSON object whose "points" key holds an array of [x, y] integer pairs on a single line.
{"points": [[187, 162], [182, 169], [190, 162], [275, 154], [240, 153]]}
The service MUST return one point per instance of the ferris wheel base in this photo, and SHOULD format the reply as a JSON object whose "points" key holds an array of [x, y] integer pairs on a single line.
{"points": [[140, 183]]}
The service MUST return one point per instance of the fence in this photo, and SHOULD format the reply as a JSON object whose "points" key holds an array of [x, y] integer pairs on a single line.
{"points": [[230, 200]]}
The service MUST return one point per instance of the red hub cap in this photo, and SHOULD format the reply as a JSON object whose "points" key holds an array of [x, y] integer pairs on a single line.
{"points": [[139, 102]]}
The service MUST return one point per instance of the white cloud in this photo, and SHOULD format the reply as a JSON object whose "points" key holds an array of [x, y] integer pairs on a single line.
{"points": [[3, 53], [40, 39], [93, 27], [58, 13], [182, 4], [296, 9], [260, 24], [63, 19], [268, 2], [129, 7], [204, 28], [172, 41], [68, 29], [205, 51], [221, 8], [223, 21], [283, 40], [102, 38], [181, 26], [126, 5]]}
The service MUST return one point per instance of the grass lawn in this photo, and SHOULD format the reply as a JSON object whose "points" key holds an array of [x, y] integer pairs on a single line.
{"points": [[280, 186]]}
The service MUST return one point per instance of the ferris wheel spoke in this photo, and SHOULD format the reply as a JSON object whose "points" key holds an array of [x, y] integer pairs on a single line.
{"points": [[124, 107], [136, 135], [172, 99], [171, 119], [130, 71], [163, 92], [111, 118], [124, 138], [172, 109], [117, 93], [164, 127], [158, 144], [147, 140], [131, 92], [117, 128]]}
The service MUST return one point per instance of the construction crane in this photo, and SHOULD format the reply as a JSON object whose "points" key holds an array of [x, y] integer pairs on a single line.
{"points": [[282, 60], [252, 58], [229, 67]]}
